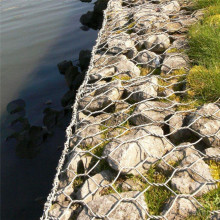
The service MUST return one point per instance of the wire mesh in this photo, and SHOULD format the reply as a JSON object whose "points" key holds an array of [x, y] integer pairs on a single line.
{"points": [[139, 145]]}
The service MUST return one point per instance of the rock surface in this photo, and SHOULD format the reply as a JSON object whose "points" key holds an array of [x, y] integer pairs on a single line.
{"points": [[174, 62], [102, 98], [92, 187], [196, 179], [148, 59], [151, 112], [101, 206], [181, 208], [142, 89], [206, 123], [157, 42], [136, 150]]}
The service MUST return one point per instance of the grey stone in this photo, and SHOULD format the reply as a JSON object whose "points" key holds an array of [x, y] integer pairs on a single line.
{"points": [[179, 44], [120, 43], [142, 89], [76, 159], [174, 62], [93, 186], [149, 21], [173, 158], [87, 135], [131, 185], [136, 150], [213, 152], [106, 66], [151, 112], [103, 97], [192, 180], [133, 209], [172, 27], [170, 7], [182, 207], [157, 42], [177, 128], [60, 211], [206, 122], [148, 59]]}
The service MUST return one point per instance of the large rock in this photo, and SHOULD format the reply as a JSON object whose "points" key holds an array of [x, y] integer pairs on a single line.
{"points": [[16, 106], [173, 27], [151, 112], [170, 7], [137, 150], [84, 58], [157, 42], [102, 97], [194, 178], [100, 6], [142, 89], [88, 135], [105, 66], [206, 123], [172, 159], [93, 186], [131, 207], [213, 152], [61, 212], [76, 160], [177, 127], [70, 75], [179, 208], [174, 62], [64, 65], [120, 43], [148, 59]]}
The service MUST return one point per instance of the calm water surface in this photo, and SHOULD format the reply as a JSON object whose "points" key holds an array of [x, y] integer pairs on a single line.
{"points": [[35, 36]]}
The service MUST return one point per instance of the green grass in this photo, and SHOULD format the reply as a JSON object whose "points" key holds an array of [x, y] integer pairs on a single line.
{"points": [[204, 42], [156, 196], [210, 201]]}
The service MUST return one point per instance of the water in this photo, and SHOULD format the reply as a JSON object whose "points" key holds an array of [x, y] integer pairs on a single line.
{"points": [[35, 36]]}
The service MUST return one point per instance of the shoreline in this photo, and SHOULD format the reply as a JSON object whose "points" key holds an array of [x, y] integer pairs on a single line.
{"points": [[135, 141]]}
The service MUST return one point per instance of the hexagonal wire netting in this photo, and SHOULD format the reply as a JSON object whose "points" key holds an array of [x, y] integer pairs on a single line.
{"points": [[138, 146]]}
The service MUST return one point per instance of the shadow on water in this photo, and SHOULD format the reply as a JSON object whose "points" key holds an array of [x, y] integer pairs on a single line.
{"points": [[26, 182]]}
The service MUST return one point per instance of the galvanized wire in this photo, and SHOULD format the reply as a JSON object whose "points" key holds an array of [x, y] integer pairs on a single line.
{"points": [[135, 118]]}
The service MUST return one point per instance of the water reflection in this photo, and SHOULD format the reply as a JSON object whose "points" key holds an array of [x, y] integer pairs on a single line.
{"points": [[35, 37]]}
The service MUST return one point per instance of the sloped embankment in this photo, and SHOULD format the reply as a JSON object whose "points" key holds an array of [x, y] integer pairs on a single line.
{"points": [[140, 147]]}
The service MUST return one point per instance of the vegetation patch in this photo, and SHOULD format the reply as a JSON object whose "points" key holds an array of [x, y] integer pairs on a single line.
{"points": [[204, 42], [210, 202]]}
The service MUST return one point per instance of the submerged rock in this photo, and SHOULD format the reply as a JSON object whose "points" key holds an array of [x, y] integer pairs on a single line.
{"points": [[84, 59], [64, 65], [70, 75], [16, 106]]}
